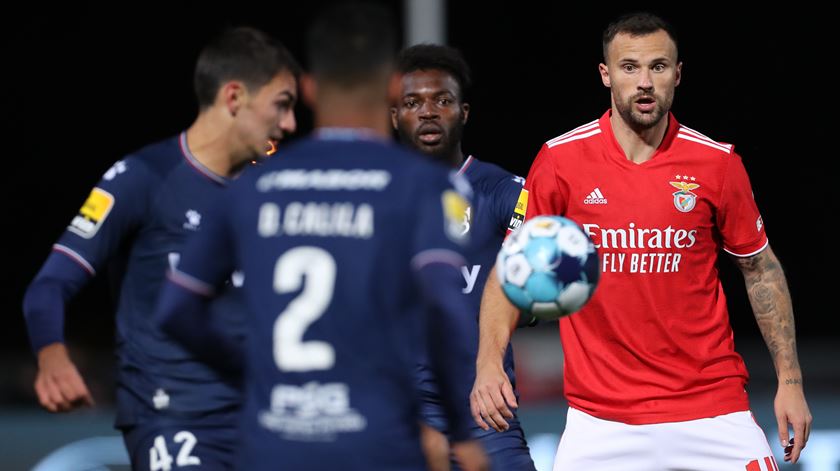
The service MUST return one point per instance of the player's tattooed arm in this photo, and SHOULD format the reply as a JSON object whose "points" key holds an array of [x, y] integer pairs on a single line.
{"points": [[768, 292], [770, 299]]}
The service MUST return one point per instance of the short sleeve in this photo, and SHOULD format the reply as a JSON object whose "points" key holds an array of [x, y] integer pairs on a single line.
{"points": [[543, 192], [739, 221], [113, 211], [440, 235], [505, 196]]}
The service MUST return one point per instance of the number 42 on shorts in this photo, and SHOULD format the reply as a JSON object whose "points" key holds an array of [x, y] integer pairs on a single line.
{"points": [[161, 460]]}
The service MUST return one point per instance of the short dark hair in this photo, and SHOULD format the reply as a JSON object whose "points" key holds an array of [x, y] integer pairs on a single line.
{"points": [[636, 24], [436, 57], [351, 42], [241, 53]]}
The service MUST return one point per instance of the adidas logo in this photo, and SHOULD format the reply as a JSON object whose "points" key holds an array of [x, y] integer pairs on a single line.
{"points": [[596, 197]]}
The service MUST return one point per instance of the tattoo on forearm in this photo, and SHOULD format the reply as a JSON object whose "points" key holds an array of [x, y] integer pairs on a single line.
{"points": [[793, 381], [770, 300]]}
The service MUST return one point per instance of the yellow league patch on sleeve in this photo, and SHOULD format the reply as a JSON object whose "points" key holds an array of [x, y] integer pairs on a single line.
{"points": [[454, 211], [92, 214], [519, 211]]}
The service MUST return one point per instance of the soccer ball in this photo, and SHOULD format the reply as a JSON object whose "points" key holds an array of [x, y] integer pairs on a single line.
{"points": [[548, 267]]}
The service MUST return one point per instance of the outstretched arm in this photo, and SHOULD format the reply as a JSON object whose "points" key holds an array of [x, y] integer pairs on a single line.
{"points": [[770, 299], [492, 395]]}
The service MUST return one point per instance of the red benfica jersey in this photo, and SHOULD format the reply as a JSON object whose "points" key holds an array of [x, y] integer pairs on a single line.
{"points": [[654, 343]]}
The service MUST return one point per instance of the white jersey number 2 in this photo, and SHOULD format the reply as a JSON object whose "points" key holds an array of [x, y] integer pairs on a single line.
{"points": [[317, 267]]}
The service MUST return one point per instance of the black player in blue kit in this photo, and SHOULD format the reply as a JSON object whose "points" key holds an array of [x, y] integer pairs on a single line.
{"points": [[430, 115], [173, 410], [351, 248]]}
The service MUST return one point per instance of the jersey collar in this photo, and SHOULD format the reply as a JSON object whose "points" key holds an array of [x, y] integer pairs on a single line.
{"points": [[616, 150], [347, 134], [467, 162], [196, 165]]}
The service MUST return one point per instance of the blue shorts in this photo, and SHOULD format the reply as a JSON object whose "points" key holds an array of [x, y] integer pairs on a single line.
{"points": [[165, 443], [507, 450]]}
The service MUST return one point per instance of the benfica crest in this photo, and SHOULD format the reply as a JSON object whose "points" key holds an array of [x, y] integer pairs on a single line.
{"points": [[684, 199]]}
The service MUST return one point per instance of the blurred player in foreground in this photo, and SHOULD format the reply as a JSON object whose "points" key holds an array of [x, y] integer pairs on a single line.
{"points": [[173, 410], [351, 248]]}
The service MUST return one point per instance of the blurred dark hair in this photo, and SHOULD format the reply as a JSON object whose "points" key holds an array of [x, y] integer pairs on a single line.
{"points": [[242, 53], [351, 43]]}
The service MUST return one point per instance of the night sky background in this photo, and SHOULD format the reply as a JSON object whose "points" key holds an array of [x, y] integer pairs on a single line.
{"points": [[83, 85]]}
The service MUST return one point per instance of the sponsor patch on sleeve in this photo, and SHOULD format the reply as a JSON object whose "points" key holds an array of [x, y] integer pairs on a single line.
{"points": [[454, 210], [519, 211], [92, 214]]}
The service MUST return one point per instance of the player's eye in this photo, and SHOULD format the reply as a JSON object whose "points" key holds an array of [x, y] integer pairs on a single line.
{"points": [[444, 101], [659, 68], [628, 68], [410, 104]]}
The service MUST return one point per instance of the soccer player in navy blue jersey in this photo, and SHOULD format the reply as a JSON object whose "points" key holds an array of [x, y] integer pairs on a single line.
{"points": [[351, 247], [430, 115], [174, 411]]}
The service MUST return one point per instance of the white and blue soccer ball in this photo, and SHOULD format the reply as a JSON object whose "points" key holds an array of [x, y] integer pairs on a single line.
{"points": [[548, 267]]}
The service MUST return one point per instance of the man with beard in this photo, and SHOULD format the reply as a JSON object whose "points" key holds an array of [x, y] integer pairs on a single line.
{"points": [[651, 374], [430, 117]]}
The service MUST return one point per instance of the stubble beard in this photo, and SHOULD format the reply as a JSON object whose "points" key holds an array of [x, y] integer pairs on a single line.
{"points": [[643, 121]]}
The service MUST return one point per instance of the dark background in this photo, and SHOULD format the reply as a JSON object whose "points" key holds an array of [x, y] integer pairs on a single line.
{"points": [[86, 84]]}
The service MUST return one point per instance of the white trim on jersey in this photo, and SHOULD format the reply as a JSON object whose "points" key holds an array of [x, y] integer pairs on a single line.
{"points": [[464, 165], [701, 135], [75, 256], [749, 254], [692, 135], [585, 127], [575, 137], [711, 144], [430, 256], [190, 283], [196, 164]]}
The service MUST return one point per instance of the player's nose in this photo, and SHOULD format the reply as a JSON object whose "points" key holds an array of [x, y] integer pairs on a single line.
{"points": [[428, 110], [288, 123], [645, 80]]}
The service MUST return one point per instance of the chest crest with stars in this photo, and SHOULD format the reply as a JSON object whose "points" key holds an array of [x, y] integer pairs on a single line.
{"points": [[684, 198]]}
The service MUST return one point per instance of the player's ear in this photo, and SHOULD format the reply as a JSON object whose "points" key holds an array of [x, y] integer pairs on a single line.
{"points": [[232, 95], [605, 74], [394, 117], [308, 89], [679, 74], [465, 112], [395, 88]]}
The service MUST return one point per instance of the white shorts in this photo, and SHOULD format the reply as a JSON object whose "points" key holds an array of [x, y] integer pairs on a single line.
{"points": [[731, 442]]}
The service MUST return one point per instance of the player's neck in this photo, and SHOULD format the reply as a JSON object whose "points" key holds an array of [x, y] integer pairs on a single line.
{"points": [[375, 120], [362, 108], [209, 142], [638, 145], [457, 158]]}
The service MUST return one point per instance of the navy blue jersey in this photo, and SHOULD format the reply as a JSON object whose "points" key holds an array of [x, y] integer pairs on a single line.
{"points": [[331, 237], [495, 194], [141, 211]]}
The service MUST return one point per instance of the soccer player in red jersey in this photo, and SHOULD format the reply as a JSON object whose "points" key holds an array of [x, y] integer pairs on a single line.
{"points": [[651, 374]]}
